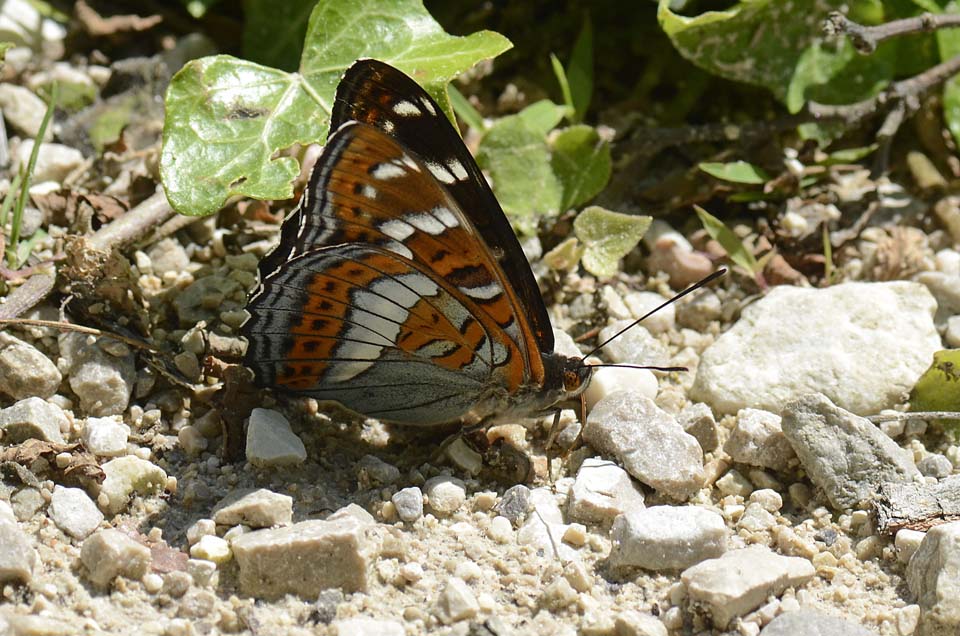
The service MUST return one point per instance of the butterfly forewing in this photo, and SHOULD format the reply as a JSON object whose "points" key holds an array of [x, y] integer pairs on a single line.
{"points": [[377, 94]]}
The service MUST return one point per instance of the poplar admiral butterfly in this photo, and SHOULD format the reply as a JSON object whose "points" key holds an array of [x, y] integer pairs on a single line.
{"points": [[399, 289]]}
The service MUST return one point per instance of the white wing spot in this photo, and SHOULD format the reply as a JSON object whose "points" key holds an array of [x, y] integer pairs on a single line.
{"points": [[388, 126], [427, 105], [457, 169], [369, 191], [445, 215], [408, 161], [441, 173], [426, 223], [400, 249], [419, 283], [395, 291], [486, 292], [386, 171], [406, 109], [397, 229], [343, 371]]}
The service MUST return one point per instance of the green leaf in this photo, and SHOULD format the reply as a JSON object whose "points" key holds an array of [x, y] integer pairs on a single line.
{"points": [[561, 75], [581, 161], [948, 42], [111, 121], [580, 71], [543, 116], [735, 171], [565, 256], [607, 237], [227, 119], [515, 154], [273, 31], [778, 45], [466, 111], [729, 241], [4, 47], [848, 155], [938, 389]]}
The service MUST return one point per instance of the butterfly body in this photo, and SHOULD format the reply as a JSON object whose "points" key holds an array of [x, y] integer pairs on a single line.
{"points": [[398, 289]]}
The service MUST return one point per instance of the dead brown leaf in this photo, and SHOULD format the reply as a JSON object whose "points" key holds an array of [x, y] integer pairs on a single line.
{"points": [[40, 458]]}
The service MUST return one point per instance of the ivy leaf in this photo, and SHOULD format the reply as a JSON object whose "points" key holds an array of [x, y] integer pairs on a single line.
{"points": [[736, 172], [515, 153], [938, 389], [734, 247], [607, 237], [227, 119], [581, 161], [273, 31]]}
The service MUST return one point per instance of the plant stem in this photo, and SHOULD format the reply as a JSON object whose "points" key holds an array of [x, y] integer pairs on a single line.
{"points": [[25, 185], [866, 38]]}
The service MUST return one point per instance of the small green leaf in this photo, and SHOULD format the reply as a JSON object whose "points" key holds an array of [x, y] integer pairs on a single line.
{"points": [[948, 41], [561, 76], [736, 171], [543, 116], [273, 31], [518, 160], [110, 122], [729, 241], [848, 155], [938, 389], [565, 256], [466, 111], [607, 237], [227, 119], [581, 160], [580, 71]]}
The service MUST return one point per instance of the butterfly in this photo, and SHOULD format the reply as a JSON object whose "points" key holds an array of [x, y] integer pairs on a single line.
{"points": [[399, 289]]}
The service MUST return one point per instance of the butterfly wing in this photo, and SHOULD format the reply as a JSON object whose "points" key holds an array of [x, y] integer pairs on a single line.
{"points": [[389, 283]]}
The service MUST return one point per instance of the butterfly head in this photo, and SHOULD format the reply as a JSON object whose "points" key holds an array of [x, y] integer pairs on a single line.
{"points": [[569, 375]]}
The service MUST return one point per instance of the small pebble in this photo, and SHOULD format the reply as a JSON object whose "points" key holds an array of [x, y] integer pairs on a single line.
{"points": [[445, 494], [72, 510], [271, 441], [211, 548], [515, 503], [409, 504], [105, 436]]}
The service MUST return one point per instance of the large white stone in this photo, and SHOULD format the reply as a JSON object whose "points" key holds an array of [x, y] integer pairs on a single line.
{"points": [[602, 491], [667, 537], [796, 341], [933, 575], [74, 512], [271, 441]]}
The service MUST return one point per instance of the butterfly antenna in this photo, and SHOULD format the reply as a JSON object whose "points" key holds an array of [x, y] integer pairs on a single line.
{"points": [[692, 288], [637, 366]]}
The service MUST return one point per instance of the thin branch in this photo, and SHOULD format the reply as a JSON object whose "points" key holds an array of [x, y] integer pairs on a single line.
{"points": [[915, 415], [866, 38], [67, 326], [27, 295], [135, 224]]}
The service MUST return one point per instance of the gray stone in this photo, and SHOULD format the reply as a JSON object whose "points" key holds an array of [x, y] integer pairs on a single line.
{"points": [[844, 454], [167, 255], [260, 508], [105, 436], [935, 465], [409, 504], [775, 352], [641, 303], [700, 310], [271, 441], [307, 557], [110, 553], [26, 502], [635, 346], [697, 419], [103, 381], [667, 537], [742, 580], [24, 371], [933, 575], [54, 161], [633, 623], [648, 442], [807, 622], [544, 528], [17, 556], [515, 504], [602, 491], [33, 418], [758, 440], [74, 512], [445, 494], [23, 110], [367, 627], [373, 471]]}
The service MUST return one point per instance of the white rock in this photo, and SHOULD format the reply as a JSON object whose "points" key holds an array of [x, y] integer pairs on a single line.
{"points": [[23, 110], [639, 303], [667, 537], [933, 576], [948, 262], [602, 491], [634, 346], [307, 557], [103, 381], [74, 512], [952, 335], [211, 548], [24, 371], [409, 504], [777, 351], [260, 508], [110, 553], [17, 556], [367, 627], [633, 623], [456, 602], [742, 580], [697, 419], [127, 475], [33, 418], [446, 494], [907, 541], [544, 527], [199, 529], [649, 443], [105, 436], [271, 441], [54, 161], [608, 380], [23, 24], [758, 440], [946, 290]]}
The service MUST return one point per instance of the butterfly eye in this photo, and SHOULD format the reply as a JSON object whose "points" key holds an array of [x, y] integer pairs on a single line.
{"points": [[571, 381]]}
